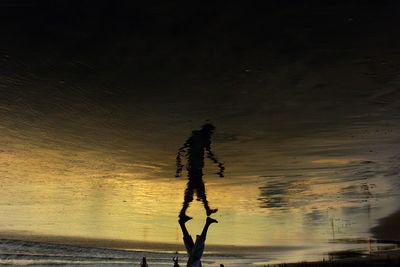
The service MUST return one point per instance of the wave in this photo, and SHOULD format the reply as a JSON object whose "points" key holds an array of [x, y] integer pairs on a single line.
{"points": [[32, 253], [17, 252]]}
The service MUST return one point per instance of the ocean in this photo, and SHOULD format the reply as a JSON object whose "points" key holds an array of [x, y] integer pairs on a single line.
{"points": [[33, 253], [29, 253]]}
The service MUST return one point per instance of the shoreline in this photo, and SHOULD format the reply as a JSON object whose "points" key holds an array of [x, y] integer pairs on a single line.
{"points": [[137, 245], [257, 254]]}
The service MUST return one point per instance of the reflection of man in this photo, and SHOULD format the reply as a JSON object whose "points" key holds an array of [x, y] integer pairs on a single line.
{"points": [[194, 148], [195, 249]]}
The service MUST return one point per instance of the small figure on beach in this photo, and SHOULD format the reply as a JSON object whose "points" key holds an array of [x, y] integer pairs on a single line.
{"points": [[143, 262], [175, 259], [195, 249], [194, 147]]}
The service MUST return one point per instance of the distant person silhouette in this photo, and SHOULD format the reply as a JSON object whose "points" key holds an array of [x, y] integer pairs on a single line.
{"points": [[175, 259], [143, 263], [194, 149], [195, 249]]}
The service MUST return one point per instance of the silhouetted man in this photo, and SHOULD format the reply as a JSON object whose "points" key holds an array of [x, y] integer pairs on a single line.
{"points": [[194, 249], [175, 259], [143, 263], [194, 148]]}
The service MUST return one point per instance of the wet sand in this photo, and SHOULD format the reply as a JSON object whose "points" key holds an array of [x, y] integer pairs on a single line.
{"points": [[379, 258], [138, 245], [234, 255]]}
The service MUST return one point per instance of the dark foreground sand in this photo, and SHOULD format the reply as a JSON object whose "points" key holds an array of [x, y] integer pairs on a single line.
{"points": [[388, 228]]}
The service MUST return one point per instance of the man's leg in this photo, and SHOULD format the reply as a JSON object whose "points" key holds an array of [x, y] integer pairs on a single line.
{"points": [[209, 221], [201, 194], [197, 251], [189, 244], [187, 199]]}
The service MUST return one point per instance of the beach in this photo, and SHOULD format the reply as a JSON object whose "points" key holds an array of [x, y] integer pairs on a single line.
{"points": [[33, 253], [35, 250], [125, 125]]}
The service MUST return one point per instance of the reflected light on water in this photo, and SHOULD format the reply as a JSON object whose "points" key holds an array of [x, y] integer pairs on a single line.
{"points": [[90, 193]]}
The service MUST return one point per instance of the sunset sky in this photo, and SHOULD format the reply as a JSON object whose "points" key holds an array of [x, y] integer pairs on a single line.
{"points": [[95, 100]]}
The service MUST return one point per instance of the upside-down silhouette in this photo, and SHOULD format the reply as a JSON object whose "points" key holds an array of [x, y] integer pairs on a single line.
{"points": [[194, 149], [195, 249]]}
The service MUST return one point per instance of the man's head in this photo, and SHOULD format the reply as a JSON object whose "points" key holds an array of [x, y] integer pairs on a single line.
{"points": [[208, 128]]}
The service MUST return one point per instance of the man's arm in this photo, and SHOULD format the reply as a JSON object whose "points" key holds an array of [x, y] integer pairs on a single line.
{"points": [[181, 152], [211, 156]]}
